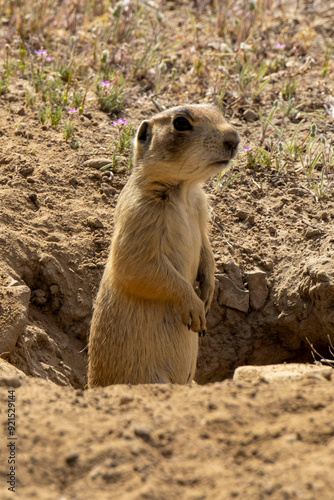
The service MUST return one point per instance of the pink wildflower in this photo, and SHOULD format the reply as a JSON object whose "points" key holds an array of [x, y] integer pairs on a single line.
{"points": [[120, 121], [41, 52]]}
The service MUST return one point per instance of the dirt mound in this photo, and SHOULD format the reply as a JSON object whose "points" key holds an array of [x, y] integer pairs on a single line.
{"points": [[225, 440]]}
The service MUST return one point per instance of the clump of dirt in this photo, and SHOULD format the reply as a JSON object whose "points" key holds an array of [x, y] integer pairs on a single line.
{"points": [[230, 439]]}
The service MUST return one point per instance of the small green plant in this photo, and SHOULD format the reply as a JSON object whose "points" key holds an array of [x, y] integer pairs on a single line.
{"points": [[56, 115], [115, 161], [289, 88], [65, 73], [161, 76], [68, 130], [122, 146], [110, 95], [42, 114], [31, 100], [81, 109], [104, 66], [265, 121], [22, 56], [125, 136], [327, 58], [77, 98], [4, 84]]}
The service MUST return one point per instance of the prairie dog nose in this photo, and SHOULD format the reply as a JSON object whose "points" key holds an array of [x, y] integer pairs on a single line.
{"points": [[231, 141]]}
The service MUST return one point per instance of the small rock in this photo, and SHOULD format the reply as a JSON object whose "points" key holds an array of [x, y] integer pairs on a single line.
{"points": [[72, 459], [270, 373], [10, 382], [26, 170], [94, 222], [39, 297], [54, 289], [311, 232], [97, 162], [232, 296], [297, 191], [125, 399], [258, 288], [12, 98], [33, 197], [250, 115], [5, 159], [143, 432]]}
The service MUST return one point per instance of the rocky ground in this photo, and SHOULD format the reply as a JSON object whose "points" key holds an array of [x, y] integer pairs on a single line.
{"points": [[272, 231]]}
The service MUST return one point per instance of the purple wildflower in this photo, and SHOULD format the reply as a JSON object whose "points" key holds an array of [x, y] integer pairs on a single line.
{"points": [[73, 110], [280, 45], [41, 52], [48, 58], [247, 148], [120, 121], [105, 83]]}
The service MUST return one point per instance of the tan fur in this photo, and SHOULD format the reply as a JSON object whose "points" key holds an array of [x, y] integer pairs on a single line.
{"points": [[147, 313]]}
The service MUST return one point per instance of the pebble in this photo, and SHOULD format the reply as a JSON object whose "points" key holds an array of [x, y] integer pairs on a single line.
{"points": [[297, 191], [311, 232], [33, 197], [126, 399], [143, 432], [94, 222], [250, 115], [5, 159], [72, 459], [10, 382], [26, 170], [97, 162], [54, 289]]}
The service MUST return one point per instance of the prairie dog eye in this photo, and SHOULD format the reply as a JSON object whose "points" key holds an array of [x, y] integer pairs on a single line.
{"points": [[181, 124]]}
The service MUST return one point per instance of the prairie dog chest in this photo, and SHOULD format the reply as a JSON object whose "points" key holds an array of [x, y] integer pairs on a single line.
{"points": [[185, 223]]}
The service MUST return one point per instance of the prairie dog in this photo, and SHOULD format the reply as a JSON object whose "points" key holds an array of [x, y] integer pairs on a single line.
{"points": [[147, 315]]}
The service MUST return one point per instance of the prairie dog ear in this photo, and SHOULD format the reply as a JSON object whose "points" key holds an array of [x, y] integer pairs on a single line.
{"points": [[144, 135]]}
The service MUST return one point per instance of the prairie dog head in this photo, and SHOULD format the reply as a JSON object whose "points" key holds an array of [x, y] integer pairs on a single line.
{"points": [[185, 143]]}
